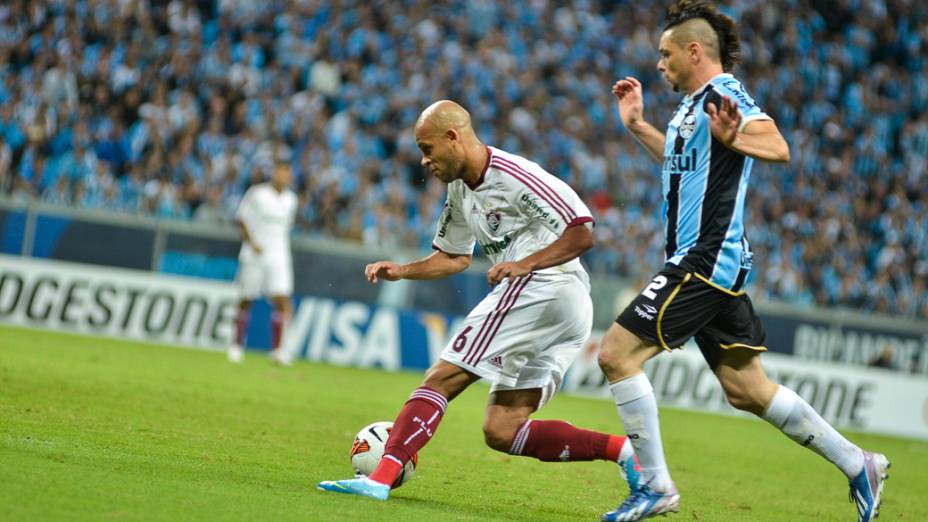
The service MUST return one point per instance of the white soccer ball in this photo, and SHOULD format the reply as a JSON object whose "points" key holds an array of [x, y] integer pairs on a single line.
{"points": [[368, 448]]}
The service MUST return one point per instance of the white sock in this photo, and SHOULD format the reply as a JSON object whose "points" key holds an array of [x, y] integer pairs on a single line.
{"points": [[637, 407], [627, 451], [792, 415]]}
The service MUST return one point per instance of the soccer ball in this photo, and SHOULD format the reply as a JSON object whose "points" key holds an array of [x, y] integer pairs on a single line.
{"points": [[368, 448]]}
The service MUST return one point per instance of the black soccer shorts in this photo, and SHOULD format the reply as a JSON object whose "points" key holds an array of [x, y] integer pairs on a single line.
{"points": [[677, 305]]}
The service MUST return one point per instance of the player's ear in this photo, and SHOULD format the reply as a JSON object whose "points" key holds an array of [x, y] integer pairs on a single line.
{"points": [[694, 49], [452, 135]]}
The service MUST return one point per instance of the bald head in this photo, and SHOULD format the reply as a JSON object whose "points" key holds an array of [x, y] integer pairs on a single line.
{"points": [[443, 115], [450, 148], [697, 30]]}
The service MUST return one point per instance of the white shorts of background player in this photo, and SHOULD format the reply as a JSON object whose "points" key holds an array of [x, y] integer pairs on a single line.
{"points": [[264, 276]]}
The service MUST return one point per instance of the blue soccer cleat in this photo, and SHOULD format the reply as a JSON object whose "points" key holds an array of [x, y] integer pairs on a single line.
{"points": [[630, 472], [361, 486], [867, 486], [644, 503]]}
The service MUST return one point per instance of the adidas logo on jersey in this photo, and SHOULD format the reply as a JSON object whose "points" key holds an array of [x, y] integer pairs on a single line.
{"points": [[496, 361]]}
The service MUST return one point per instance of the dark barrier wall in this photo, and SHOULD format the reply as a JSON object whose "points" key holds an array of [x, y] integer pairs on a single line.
{"points": [[197, 256], [314, 273], [12, 228], [332, 276], [67, 239], [846, 343], [456, 295]]}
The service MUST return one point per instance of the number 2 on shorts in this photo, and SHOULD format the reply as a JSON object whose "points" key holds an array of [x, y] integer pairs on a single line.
{"points": [[656, 284]]}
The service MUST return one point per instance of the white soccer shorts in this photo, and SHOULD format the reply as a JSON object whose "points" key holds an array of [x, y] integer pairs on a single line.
{"points": [[264, 277], [526, 332]]}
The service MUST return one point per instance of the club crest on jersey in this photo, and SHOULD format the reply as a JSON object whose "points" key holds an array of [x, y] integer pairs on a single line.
{"points": [[493, 219], [688, 127]]}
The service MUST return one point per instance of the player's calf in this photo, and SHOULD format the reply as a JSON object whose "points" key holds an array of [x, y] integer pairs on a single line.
{"points": [[559, 441]]}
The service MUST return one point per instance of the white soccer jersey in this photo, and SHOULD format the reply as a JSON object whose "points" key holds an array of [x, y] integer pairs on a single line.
{"points": [[516, 209], [268, 215]]}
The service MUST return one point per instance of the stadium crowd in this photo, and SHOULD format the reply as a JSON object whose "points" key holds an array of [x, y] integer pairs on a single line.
{"points": [[173, 108]]}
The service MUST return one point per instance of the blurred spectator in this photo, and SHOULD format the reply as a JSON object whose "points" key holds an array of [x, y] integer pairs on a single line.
{"points": [[884, 359], [211, 211], [173, 108]]}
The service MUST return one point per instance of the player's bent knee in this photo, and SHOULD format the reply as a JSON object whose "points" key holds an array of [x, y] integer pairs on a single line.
{"points": [[499, 429], [618, 357], [498, 441], [447, 379], [442, 382], [746, 387], [500, 434], [608, 361], [739, 402], [610, 350], [744, 400]]}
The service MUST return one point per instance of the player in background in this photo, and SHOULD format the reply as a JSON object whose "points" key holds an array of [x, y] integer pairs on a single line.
{"points": [[524, 334], [713, 138], [265, 267]]}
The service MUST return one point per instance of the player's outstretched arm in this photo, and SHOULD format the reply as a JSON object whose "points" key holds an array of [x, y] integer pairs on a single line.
{"points": [[759, 139], [631, 109], [436, 266], [573, 243]]}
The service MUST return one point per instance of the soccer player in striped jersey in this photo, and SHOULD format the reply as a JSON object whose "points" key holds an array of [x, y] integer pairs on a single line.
{"points": [[711, 142], [524, 334]]}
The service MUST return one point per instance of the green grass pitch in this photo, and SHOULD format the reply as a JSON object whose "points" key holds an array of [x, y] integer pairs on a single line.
{"points": [[102, 429]]}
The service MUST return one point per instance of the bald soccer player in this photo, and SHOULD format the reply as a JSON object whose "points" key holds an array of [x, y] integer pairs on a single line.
{"points": [[525, 333], [711, 142]]}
